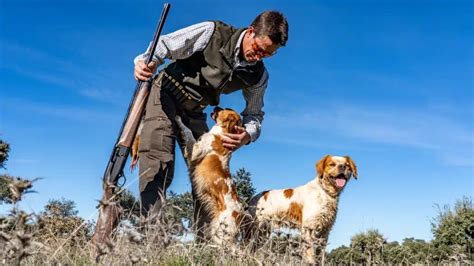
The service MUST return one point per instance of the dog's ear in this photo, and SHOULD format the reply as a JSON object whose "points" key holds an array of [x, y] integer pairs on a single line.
{"points": [[214, 113], [322, 164], [352, 165]]}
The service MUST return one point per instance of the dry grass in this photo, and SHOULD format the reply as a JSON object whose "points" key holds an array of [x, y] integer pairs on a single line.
{"points": [[32, 239]]}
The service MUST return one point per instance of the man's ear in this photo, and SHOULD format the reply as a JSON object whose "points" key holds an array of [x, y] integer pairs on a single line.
{"points": [[251, 30]]}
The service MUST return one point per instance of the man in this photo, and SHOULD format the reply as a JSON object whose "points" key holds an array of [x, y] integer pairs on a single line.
{"points": [[210, 58]]}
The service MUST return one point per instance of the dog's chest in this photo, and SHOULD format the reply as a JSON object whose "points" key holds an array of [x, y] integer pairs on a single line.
{"points": [[320, 208], [209, 144]]}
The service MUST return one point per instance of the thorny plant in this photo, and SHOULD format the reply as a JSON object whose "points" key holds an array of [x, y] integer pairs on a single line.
{"points": [[28, 238], [17, 229]]}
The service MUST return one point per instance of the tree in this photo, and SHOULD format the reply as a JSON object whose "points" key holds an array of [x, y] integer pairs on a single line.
{"points": [[59, 220], [411, 251], [5, 194], [340, 256], [4, 150], [244, 185], [129, 204], [453, 232], [182, 205], [391, 252], [60, 208], [370, 245]]}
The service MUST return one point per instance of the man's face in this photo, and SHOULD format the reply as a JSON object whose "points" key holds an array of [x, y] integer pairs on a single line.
{"points": [[254, 48]]}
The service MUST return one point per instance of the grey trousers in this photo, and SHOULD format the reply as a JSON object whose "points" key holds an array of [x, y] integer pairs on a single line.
{"points": [[158, 140]]}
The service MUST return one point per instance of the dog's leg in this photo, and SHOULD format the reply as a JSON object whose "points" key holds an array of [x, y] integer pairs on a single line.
{"points": [[321, 242], [224, 229], [226, 222], [307, 235], [188, 139], [221, 230]]}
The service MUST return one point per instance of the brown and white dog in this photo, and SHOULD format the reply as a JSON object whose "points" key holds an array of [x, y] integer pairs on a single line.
{"points": [[311, 208], [217, 208]]}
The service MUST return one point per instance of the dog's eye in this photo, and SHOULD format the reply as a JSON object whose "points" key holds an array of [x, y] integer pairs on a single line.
{"points": [[332, 164]]}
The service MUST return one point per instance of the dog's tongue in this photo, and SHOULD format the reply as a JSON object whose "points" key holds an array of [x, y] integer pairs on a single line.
{"points": [[340, 182]]}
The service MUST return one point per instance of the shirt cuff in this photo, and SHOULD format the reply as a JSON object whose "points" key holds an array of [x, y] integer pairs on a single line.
{"points": [[253, 128], [139, 58]]}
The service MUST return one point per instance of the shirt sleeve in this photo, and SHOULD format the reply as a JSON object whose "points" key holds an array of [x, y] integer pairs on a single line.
{"points": [[253, 113], [181, 44]]}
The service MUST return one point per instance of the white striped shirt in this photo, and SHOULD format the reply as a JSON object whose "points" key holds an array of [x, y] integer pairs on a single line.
{"points": [[182, 43]]}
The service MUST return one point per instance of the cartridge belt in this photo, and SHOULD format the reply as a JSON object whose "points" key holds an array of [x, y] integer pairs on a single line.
{"points": [[187, 98]]}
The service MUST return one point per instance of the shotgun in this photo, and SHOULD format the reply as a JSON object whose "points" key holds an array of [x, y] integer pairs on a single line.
{"points": [[109, 210]]}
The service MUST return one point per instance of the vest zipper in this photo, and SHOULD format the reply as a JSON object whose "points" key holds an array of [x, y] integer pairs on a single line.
{"points": [[228, 77]]}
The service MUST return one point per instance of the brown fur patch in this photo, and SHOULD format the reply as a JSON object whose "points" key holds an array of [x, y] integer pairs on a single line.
{"points": [[322, 164], [265, 195], [229, 119], [218, 147], [295, 212], [352, 165], [288, 193], [234, 193], [239, 217], [213, 174]]}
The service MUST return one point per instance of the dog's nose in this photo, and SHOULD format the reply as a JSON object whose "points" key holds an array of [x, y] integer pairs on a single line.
{"points": [[342, 167]]}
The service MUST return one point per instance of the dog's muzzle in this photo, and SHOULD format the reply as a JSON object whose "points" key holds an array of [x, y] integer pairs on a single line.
{"points": [[340, 180]]}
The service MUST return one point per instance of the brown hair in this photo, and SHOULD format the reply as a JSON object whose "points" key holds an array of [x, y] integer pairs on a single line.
{"points": [[272, 24]]}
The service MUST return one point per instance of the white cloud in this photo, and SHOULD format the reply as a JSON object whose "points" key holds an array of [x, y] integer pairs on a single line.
{"points": [[82, 114], [86, 79], [422, 129]]}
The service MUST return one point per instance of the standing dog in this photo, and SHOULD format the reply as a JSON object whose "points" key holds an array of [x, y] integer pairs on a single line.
{"points": [[217, 208], [312, 208]]}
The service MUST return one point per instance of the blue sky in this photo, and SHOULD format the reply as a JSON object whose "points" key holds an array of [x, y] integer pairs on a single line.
{"points": [[389, 83]]}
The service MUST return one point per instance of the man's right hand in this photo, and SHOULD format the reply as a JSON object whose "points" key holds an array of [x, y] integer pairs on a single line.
{"points": [[143, 72]]}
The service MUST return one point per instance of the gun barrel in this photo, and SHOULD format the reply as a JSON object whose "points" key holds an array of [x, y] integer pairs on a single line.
{"points": [[110, 213], [134, 113]]}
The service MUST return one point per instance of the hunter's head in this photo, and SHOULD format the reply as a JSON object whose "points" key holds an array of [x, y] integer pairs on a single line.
{"points": [[267, 33]]}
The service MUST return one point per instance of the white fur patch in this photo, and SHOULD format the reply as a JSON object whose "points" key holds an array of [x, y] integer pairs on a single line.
{"points": [[223, 227]]}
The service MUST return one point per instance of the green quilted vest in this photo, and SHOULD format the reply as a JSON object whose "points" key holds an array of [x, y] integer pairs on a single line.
{"points": [[212, 71]]}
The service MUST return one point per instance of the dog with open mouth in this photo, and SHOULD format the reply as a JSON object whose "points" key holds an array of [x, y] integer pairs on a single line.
{"points": [[311, 208]]}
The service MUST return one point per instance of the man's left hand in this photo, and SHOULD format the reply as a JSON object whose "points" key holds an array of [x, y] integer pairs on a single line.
{"points": [[237, 140]]}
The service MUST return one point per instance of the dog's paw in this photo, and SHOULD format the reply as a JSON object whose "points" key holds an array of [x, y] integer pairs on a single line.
{"points": [[187, 133], [181, 125]]}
